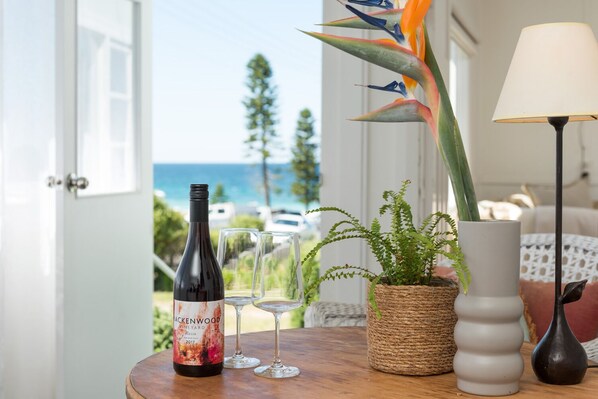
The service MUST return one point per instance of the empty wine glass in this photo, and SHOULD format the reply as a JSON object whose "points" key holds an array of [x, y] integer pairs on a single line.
{"points": [[236, 257], [277, 288]]}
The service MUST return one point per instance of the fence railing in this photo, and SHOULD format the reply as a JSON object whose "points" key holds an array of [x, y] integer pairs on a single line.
{"points": [[163, 267]]}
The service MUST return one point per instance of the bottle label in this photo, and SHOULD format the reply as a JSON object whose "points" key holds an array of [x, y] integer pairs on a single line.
{"points": [[198, 333]]}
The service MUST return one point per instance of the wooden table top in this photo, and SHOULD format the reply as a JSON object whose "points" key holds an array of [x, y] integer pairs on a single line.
{"points": [[333, 363]]}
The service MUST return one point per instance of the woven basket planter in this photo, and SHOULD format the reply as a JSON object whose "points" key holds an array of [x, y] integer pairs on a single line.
{"points": [[414, 336]]}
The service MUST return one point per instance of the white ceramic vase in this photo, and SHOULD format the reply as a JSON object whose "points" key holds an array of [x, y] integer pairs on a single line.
{"points": [[488, 334]]}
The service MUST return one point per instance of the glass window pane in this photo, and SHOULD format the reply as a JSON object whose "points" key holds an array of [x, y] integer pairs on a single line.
{"points": [[106, 129], [119, 120], [119, 70]]}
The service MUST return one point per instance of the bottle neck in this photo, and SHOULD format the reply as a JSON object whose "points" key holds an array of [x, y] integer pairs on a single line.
{"points": [[198, 211]]}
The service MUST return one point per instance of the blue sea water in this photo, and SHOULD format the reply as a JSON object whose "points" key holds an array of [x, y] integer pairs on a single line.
{"points": [[241, 183]]}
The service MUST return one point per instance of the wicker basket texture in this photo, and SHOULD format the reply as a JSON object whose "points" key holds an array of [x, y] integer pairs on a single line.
{"points": [[414, 336]]}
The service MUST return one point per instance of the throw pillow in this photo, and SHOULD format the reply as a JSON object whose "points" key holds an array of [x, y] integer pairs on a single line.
{"points": [[576, 194], [446, 272], [582, 316]]}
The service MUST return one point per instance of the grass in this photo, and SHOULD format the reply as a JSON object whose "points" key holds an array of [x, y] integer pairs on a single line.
{"points": [[253, 319]]}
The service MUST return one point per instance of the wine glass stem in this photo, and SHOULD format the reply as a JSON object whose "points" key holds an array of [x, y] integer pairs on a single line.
{"points": [[238, 351], [277, 362]]}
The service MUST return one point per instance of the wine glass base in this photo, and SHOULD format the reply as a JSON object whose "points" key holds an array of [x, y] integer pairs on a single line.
{"points": [[277, 372], [240, 362]]}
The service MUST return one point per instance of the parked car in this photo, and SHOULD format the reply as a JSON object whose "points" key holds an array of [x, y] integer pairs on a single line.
{"points": [[221, 214], [293, 222]]}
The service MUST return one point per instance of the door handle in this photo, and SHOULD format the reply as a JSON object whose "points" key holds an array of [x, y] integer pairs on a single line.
{"points": [[74, 183]]}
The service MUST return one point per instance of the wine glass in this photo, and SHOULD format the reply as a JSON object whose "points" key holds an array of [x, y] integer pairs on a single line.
{"points": [[236, 257], [277, 288]]}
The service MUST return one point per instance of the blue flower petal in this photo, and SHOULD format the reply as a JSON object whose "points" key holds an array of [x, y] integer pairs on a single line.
{"points": [[386, 4], [392, 87], [379, 23], [398, 33]]}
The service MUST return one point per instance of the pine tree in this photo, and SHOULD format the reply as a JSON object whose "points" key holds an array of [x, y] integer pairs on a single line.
{"points": [[306, 185], [218, 195], [261, 116]]}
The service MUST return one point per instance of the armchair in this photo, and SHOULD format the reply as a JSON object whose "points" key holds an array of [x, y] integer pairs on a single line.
{"points": [[580, 261]]}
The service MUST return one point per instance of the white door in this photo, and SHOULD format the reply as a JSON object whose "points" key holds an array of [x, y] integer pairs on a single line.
{"points": [[106, 320], [75, 267], [27, 205]]}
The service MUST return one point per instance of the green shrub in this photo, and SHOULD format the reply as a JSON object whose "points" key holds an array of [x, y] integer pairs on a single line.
{"points": [[248, 222], [214, 235], [311, 272], [227, 276], [170, 236], [162, 330]]}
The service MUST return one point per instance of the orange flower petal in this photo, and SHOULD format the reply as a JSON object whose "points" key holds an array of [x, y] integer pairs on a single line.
{"points": [[413, 15], [413, 43], [421, 51], [410, 84], [407, 16], [420, 13]]}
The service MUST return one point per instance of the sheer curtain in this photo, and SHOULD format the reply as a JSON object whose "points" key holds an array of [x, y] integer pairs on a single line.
{"points": [[27, 205]]}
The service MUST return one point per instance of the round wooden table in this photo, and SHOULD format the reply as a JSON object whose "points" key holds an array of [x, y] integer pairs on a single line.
{"points": [[333, 363]]}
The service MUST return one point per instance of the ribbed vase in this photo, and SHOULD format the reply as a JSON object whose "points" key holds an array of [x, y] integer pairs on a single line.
{"points": [[488, 334]]}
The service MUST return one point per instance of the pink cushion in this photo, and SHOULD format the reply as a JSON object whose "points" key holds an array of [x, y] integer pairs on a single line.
{"points": [[446, 272], [582, 316]]}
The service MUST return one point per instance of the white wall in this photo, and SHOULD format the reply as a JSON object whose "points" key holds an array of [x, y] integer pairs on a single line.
{"points": [[507, 155]]}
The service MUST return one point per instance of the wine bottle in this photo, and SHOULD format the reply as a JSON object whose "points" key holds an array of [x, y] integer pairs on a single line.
{"points": [[198, 308]]}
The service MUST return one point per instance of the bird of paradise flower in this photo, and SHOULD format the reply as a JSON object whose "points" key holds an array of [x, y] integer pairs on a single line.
{"points": [[408, 53]]}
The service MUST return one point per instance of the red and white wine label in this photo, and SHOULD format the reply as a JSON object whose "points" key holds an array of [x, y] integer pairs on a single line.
{"points": [[198, 333]]}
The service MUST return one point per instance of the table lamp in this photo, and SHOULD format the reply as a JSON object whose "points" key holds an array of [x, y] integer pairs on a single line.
{"points": [[553, 77]]}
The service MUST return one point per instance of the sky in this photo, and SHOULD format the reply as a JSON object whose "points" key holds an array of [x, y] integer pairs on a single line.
{"points": [[200, 52]]}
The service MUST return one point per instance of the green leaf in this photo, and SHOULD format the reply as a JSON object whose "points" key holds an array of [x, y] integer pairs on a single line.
{"points": [[399, 111], [392, 17], [385, 53], [372, 297], [451, 147]]}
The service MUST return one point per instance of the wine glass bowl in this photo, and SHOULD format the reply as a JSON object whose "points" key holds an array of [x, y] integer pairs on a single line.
{"points": [[236, 257], [277, 288]]}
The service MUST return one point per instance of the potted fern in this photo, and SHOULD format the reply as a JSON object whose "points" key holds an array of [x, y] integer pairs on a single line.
{"points": [[410, 309]]}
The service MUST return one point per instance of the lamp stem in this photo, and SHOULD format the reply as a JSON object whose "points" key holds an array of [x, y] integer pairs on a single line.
{"points": [[559, 358], [558, 123]]}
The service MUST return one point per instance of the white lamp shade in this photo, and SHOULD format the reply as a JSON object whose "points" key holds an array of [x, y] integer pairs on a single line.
{"points": [[554, 72]]}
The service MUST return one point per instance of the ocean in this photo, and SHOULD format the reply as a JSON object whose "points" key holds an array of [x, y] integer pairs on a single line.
{"points": [[241, 183]]}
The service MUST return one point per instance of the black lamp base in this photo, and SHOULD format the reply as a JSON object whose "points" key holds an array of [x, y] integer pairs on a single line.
{"points": [[559, 358]]}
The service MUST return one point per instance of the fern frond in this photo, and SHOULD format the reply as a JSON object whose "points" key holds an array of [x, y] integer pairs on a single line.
{"points": [[334, 227], [380, 247], [338, 272], [327, 241], [372, 297], [407, 254], [335, 209]]}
